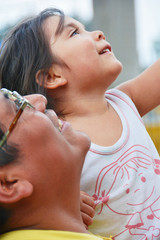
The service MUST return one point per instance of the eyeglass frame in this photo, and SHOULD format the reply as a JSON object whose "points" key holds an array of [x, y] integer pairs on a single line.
{"points": [[20, 102]]}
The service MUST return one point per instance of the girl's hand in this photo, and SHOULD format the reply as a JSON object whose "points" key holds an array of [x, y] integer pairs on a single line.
{"points": [[87, 208]]}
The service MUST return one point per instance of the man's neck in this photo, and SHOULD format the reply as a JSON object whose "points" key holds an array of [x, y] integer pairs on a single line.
{"points": [[60, 222], [62, 215]]}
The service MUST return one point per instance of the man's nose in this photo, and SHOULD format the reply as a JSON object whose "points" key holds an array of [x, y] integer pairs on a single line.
{"points": [[38, 101]]}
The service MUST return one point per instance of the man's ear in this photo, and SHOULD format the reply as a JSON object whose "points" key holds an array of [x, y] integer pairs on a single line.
{"points": [[13, 190], [51, 79]]}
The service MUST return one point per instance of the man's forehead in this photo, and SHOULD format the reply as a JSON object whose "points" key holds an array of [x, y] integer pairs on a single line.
{"points": [[5, 102], [3, 98], [7, 108]]}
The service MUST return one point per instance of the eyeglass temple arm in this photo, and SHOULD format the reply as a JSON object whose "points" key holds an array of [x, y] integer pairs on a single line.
{"points": [[11, 127]]}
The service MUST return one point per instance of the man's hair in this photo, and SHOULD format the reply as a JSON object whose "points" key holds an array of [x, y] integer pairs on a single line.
{"points": [[8, 154], [25, 50]]}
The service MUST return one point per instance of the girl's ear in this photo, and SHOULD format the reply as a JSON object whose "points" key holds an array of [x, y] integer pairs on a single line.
{"points": [[50, 80], [13, 190]]}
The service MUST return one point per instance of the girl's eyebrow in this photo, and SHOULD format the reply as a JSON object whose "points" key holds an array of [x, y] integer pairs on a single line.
{"points": [[74, 25]]}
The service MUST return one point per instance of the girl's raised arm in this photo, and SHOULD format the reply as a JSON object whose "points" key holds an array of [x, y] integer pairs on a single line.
{"points": [[144, 90]]}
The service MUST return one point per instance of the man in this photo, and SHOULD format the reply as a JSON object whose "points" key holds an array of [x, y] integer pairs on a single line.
{"points": [[40, 168]]}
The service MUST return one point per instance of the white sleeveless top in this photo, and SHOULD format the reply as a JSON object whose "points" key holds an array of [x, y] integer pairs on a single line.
{"points": [[125, 178]]}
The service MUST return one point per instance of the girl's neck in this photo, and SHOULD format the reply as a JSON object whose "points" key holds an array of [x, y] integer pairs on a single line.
{"points": [[83, 106]]}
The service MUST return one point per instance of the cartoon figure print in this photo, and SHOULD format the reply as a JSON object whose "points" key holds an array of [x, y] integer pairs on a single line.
{"points": [[135, 177]]}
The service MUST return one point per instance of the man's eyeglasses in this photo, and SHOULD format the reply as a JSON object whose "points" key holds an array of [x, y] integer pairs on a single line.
{"points": [[21, 103]]}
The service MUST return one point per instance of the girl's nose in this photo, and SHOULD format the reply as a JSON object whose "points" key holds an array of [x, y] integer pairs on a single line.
{"points": [[38, 101], [98, 35]]}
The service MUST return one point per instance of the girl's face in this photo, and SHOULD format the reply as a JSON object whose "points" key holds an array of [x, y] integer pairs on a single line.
{"points": [[88, 55]]}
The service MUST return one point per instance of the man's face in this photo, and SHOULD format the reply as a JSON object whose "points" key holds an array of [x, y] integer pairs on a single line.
{"points": [[47, 156]]}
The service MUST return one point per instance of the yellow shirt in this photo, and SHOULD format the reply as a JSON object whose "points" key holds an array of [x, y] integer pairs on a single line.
{"points": [[48, 235]]}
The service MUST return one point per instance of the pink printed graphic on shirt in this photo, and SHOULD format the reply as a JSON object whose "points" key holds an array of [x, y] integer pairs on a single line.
{"points": [[141, 198]]}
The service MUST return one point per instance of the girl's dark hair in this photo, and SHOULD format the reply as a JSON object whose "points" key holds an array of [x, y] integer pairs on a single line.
{"points": [[24, 51], [8, 154]]}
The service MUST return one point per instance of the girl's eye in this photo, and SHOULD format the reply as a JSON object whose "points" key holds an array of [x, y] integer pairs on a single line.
{"points": [[75, 32]]}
